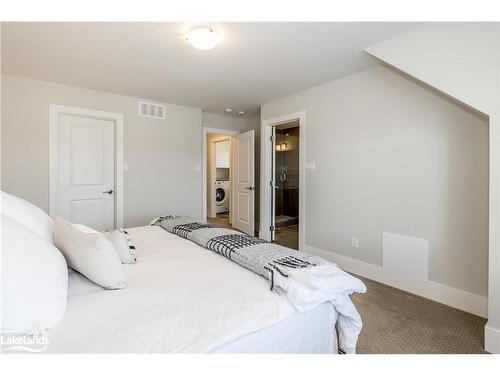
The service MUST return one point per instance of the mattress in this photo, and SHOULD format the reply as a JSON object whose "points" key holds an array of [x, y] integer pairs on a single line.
{"points": [[310, 332], [183, 298]]}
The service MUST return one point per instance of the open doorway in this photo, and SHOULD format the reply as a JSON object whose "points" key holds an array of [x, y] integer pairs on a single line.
{"points": [[219, 167], [286, 151], [283, 167], [229, 179]]}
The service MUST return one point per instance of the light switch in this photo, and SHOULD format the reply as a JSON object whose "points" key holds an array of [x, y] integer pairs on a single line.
{"points": [[310, 165], [354, 242]]}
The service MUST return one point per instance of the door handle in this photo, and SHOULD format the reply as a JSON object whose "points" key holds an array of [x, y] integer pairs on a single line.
{"points": [[108, 192], [250, 188]]}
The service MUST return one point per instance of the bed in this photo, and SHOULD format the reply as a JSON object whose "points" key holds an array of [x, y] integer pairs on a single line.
{"points": [[183, 298]]}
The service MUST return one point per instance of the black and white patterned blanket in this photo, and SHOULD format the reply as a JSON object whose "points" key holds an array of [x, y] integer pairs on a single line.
{"points": [[307, 280]]}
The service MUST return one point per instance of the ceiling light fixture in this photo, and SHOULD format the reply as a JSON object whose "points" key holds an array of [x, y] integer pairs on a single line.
{"points": [[203, 38], [228, 110], [241, 113]]}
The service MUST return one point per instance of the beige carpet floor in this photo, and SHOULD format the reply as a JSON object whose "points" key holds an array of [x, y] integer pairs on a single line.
{"points": [[395, 321]]}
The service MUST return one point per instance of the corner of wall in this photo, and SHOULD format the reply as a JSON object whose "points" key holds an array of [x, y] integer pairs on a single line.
{"points": [[491, 339]]}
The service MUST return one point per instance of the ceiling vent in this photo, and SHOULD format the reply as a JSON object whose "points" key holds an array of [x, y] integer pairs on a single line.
{"points": [[152, 110]]}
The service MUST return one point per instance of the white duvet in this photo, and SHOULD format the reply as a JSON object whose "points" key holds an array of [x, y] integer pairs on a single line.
{"points": [[180, 298], [184, 298]]}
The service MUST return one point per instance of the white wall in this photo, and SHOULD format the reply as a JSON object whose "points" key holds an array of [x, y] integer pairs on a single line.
{"points": [[213, 120], [458, 58], [161, 155], [463, 61], [393, 156], [492, 329]]}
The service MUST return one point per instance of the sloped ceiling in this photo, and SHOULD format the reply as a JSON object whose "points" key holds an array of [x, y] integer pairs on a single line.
{"points": [[459, 59]]}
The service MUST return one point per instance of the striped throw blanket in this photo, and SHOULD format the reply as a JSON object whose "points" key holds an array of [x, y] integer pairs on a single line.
{"points": [[306, 280]]}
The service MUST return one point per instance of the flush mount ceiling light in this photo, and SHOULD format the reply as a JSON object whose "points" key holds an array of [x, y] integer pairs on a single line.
{"points": [[241, 113], [203, 38], [228, 110]]}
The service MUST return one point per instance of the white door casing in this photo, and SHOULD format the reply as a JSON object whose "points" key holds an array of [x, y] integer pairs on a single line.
{"points": [[273, 184], [244, 182], [86, 166]]}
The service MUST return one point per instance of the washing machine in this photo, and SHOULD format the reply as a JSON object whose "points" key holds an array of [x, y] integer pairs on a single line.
{"points": [[222, 189]]}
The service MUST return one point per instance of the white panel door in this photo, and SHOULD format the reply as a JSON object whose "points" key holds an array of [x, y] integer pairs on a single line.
{"points": [[244, 182], [86, 173]]}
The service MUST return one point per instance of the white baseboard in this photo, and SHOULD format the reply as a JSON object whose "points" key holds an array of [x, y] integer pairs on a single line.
{"points": [[472, 303], [491, 339]]}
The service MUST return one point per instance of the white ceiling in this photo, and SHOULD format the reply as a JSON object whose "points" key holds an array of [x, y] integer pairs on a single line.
{"points": [[254, 64]]}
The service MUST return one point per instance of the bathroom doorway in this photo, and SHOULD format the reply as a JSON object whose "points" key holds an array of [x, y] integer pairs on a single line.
{"points": [[286, 167]]}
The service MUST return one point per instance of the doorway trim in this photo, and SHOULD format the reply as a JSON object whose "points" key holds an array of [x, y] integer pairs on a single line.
{"points": [[54, 112], [205, 132], [266, 170]]}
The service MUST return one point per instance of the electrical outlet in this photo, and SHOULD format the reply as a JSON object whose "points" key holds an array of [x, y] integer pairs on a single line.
{"points": [[354, 242]]}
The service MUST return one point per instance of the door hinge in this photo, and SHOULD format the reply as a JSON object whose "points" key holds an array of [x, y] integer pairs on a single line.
{"points": [[272, 228], [271, 138]]}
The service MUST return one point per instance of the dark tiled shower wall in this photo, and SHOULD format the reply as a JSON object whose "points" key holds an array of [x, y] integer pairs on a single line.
{"points": [[291, 202]]}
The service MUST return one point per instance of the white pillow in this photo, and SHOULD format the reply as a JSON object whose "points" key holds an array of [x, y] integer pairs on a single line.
{"points": [[34, 280], [90, 253], [27, 214], [123, 245]]}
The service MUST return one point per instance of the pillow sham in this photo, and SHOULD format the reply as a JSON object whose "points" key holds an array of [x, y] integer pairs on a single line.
{"points": [[34, 281], [28, 215], [123, 245], [90, 253]]}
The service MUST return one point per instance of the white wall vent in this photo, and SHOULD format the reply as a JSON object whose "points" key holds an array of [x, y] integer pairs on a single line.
{"points": [[152, 110], [405, 255]]}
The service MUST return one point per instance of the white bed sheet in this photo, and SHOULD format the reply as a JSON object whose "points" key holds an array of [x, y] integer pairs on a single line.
{"points": [[183, 298], [311, 332]]}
